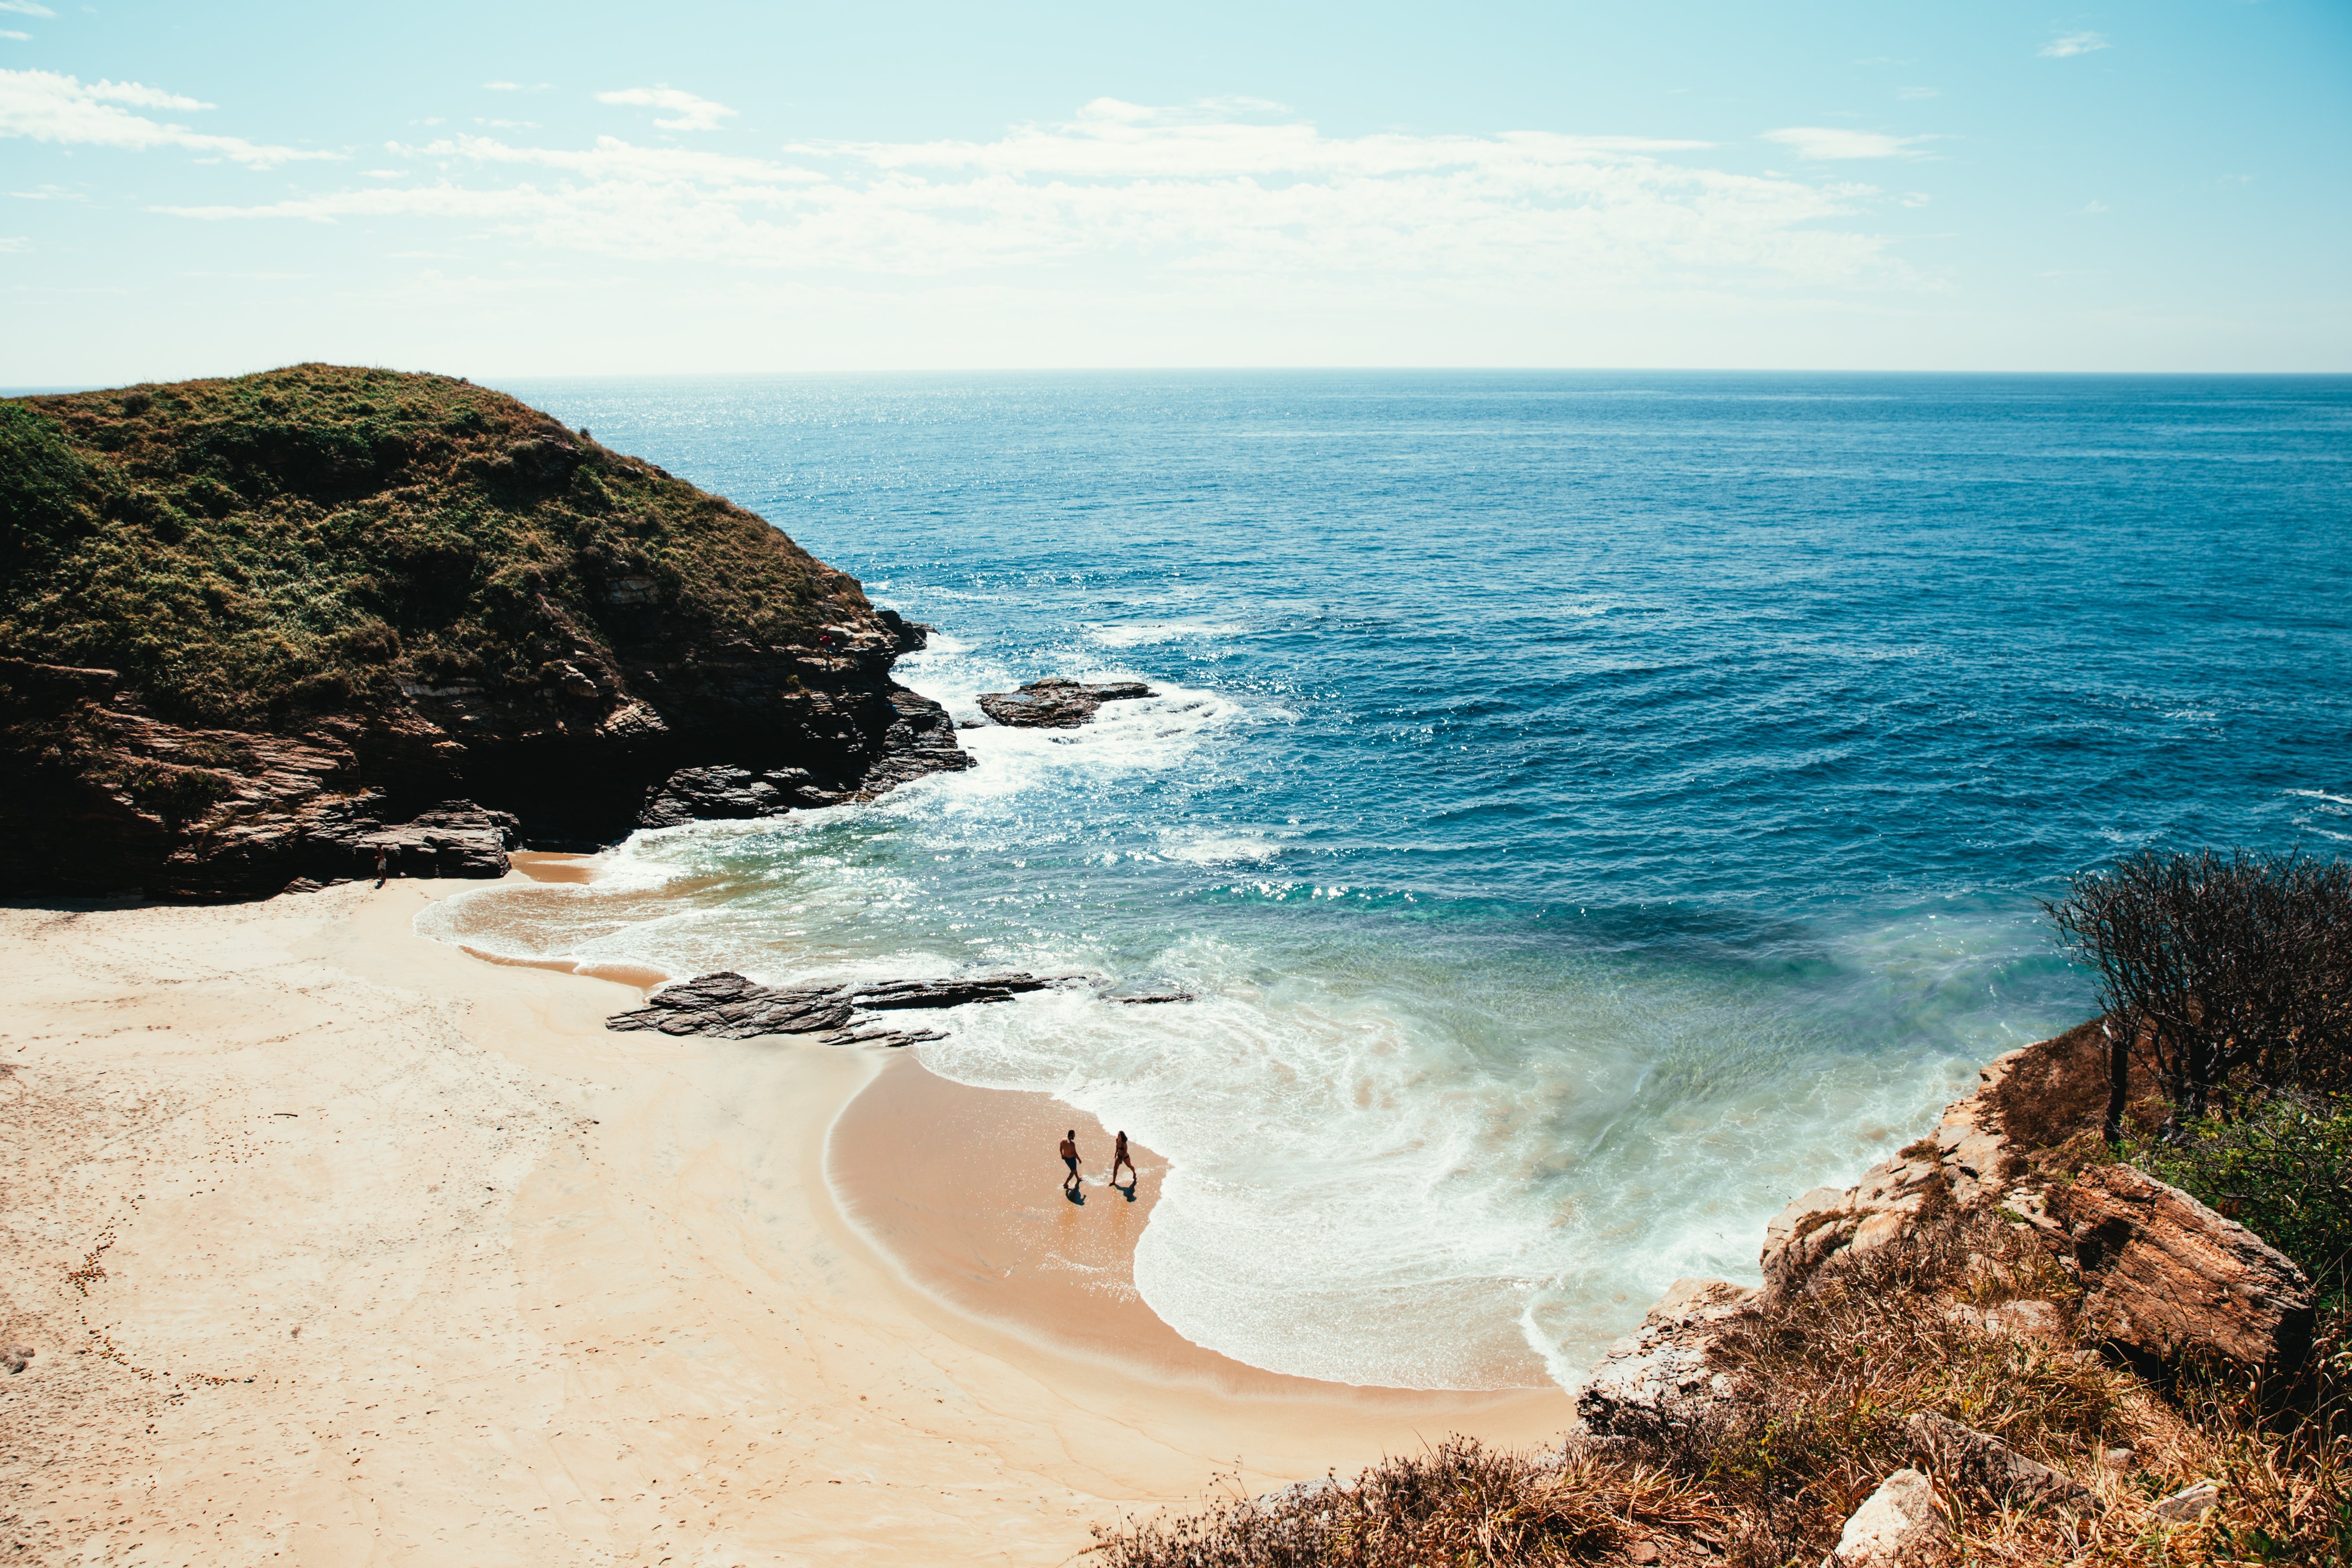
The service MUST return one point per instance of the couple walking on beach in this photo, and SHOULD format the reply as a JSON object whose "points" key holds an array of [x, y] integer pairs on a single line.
{"points": [[1118, 1157]]}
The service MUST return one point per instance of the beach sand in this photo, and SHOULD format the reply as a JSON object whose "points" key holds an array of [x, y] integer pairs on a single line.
{"points": [[338, 1245]]}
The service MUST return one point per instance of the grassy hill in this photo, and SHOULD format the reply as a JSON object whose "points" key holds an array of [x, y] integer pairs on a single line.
{"points": [[251, 625], [246, 550]]}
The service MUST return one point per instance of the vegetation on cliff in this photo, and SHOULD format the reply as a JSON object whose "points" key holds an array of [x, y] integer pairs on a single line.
{"points": [[259, 631], [245, 551]]}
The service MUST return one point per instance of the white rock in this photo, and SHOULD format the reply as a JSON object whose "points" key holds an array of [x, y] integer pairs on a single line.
{"points": [[1898, 1526]]}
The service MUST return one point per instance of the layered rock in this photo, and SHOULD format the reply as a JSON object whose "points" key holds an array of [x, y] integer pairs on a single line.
{"points": [[1965, 1459], [1658, 1373], [723, 793], [2032, 1097], [1057, 703], [729, 1006], [1960, 1163], [2165, 1276]]}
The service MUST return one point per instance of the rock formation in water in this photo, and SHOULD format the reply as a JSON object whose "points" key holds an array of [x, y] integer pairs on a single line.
{"points": [[255, 630], [1057, 703], [730, 1007]]}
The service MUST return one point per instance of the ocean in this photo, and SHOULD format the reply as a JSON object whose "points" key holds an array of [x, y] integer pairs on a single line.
{"points": [[1590, 808]]}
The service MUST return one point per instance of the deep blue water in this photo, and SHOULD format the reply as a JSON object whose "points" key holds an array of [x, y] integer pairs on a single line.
{"points": [[1593, 808]]}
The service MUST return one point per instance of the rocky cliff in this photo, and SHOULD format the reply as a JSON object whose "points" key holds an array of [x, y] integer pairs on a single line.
{"points": [[2152, 1273], [258, 629]]}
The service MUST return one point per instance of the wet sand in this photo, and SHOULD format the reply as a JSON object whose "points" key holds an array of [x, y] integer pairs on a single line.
{"points": [[959, 1188], [336, 1245]]}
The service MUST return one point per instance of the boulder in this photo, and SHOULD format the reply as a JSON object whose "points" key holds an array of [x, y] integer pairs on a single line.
{"points": [[723, 793], [1897, 1526], [2028, 1320], [1057, 703], [1662, 1369], [1965, 1459], [455, 838], [2165, 1276]]}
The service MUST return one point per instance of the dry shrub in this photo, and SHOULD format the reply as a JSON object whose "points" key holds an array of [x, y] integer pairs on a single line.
{"points": [[1458, 1502], [1825, 1382]]}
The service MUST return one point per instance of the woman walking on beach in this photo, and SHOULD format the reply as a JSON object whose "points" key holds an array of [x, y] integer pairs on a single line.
{"points": [[1118, 1157], [1070, 1158]]}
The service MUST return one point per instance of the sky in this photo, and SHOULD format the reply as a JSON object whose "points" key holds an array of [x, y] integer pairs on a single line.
{"points": [[514, 190]]}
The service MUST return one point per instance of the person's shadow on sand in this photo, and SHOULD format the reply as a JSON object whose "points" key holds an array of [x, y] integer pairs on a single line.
{"points": [[1076, 1195], [1126, 1191]]}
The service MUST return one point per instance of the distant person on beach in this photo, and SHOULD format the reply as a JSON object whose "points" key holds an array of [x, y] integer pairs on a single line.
{"points": [[379, 865], [1070, 1158], [1118, 1157]]}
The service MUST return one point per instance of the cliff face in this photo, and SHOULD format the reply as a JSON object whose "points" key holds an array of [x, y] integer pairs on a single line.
{"points": [[255, 630]]}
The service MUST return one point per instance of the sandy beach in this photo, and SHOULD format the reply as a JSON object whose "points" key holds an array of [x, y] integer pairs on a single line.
{"points": [[337, 1245]]}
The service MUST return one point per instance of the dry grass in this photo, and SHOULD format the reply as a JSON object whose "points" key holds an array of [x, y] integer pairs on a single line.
{"points": [[1459, 1503], [1826, 1383]]}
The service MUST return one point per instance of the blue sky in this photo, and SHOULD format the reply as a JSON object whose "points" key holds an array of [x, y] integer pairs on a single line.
{"points": [[515, 189]]}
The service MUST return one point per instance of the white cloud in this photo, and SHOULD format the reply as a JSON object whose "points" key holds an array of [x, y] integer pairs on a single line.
{"points": [[141, 97], [1917, 92], [47, 107], [611, 159], [26, 8], [1828, 142], [516, 86], [15, 244], [2072, 44], [2098, 207], [691, 113], [1140, 191], [12, 33]]}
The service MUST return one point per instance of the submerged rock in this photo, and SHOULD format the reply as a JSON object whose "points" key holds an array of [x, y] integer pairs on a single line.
{"points": [[1057, 703]]}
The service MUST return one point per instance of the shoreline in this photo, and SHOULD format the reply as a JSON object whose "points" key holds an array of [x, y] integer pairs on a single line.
{"points": [[957, 1188], [335, 1244]]}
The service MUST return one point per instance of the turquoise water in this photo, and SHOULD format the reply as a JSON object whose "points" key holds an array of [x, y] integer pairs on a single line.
{"points": [[1592, 808]]}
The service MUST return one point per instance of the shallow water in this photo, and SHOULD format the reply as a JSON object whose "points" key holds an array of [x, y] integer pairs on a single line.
{"points": [[1590, 809]]}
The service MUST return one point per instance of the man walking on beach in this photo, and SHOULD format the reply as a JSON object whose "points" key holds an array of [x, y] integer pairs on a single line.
{"points": [[1118, 1157], [1070, 1158]]}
